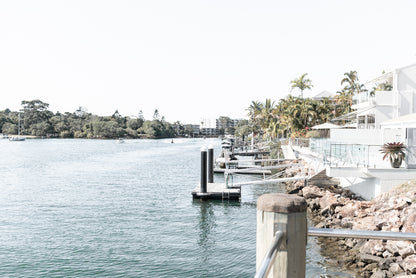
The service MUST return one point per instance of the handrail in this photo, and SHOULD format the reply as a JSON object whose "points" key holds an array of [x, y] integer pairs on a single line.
{"points": [[266, 264], [361, 234]]}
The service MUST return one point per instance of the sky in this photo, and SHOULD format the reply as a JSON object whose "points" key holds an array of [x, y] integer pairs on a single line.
{"points": [[193, 60]]}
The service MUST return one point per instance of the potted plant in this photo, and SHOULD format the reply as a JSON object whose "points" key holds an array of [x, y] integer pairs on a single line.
{"points": [[395, 152]]}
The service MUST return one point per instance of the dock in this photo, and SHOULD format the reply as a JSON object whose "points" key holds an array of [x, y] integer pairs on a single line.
{"points": [[249, 171], [217, 191], [251, 153]]}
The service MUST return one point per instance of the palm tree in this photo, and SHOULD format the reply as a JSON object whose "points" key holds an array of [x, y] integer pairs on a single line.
{"points": [[254, 110], [324, 109], [302, 83], [351, 78], [344, 101]]}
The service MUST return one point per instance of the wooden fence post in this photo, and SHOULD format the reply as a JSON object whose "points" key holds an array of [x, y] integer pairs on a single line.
{"points": [[286, 213]]}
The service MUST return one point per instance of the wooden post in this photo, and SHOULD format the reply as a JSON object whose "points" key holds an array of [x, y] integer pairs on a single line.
{"points": [[286, 213]]}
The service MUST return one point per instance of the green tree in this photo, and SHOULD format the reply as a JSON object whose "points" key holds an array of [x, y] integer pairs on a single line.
{"points": [[302, 83]]}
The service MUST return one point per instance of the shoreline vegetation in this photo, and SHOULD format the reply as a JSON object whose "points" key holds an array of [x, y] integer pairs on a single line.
{"points": [[39, 122]]}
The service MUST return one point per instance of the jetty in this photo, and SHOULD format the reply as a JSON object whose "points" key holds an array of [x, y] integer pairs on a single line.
{"points": [[217, 191], [207, 189]]}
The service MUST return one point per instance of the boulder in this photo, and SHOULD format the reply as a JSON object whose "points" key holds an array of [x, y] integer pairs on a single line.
{"points": [[311, 192], [378, 274], [350, 209], [328, 200], [396, 269], [409, 264], [372, 247]]}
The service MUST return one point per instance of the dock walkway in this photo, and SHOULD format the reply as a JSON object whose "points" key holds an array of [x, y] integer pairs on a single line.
{"points": [[217, 191]]}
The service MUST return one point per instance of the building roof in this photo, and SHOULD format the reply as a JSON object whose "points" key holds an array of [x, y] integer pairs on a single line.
{"points": [[352, 115], [326, 126], [406, 120], [388, 76], [324, 94]]}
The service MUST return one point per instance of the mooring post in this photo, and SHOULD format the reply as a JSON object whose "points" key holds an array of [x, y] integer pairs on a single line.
{"points": [[203, 170], [210, 164], [286, 213]]}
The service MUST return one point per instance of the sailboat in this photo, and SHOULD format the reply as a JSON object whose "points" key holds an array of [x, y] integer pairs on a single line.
{"points": [[18, 137]]}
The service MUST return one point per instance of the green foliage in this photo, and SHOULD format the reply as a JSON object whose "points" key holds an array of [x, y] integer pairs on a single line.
{"points": [[393, 150], [37, 120]]}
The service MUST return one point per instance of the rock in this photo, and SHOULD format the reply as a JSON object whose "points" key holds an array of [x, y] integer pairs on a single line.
{"points": [[392, 248], [328, 200], [409, 264], [347, 223], [311, 192], [409, 225], [387, 254], [372, 247], [367, 258], [314, 205], [406, 248], [349, 210], [370, 267], [385, 263], [378, 274], [396, 269], [366, 223]]}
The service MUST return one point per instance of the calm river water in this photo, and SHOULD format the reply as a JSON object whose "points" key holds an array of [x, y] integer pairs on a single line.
{"points": [[95, 208]]}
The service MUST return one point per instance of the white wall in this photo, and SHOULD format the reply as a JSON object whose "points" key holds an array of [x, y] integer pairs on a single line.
{"points": [[392, 135], [382, 114], [406, 78], [356, 136]]}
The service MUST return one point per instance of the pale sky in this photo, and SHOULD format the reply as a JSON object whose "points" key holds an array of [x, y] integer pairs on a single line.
{"points": [[193, 59]]}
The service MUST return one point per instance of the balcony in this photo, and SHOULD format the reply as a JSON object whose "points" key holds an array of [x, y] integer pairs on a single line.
{"points": [[381, 98]]}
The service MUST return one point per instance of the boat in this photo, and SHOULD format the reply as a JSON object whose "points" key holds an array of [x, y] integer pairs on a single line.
{"points": [[120, 141], [17, 138]]}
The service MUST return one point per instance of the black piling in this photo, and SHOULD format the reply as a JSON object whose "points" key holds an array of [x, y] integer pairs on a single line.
{"points": [[210, 164], [203, 170]]}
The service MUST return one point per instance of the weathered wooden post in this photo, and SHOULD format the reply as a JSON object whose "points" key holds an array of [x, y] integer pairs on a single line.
{"points": [[286, 213], [203, 170], [210, 164]]}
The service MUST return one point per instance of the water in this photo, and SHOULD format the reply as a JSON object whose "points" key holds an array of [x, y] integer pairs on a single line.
{"points": [[95, 208]]}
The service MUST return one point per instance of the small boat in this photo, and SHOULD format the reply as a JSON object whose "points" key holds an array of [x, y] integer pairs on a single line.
{"points": [[17, 138], [120, 141]]}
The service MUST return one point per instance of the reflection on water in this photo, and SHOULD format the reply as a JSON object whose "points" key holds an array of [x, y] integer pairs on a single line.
{"points": [[95, 208], [206, 224]]}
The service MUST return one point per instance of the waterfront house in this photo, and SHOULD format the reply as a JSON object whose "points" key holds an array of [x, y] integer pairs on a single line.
{"points": [[385, 113]]}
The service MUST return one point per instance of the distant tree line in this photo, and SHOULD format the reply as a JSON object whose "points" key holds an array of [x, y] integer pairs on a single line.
{"points": [[37, 120]]}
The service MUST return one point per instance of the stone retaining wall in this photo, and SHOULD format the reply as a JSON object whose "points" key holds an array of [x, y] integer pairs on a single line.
{"points": [[330, 206]]}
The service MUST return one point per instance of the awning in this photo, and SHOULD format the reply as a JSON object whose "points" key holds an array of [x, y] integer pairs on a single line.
{"points": [[326, 126], [403, 121], [352, 115]]}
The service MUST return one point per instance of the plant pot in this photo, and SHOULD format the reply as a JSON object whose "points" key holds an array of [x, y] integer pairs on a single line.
{"points": [[396, 163]]}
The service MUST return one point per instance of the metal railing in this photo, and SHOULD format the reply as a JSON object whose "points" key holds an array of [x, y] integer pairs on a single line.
{"points": [[361, 234], [266, 264], [347, 155], [268, 259]]}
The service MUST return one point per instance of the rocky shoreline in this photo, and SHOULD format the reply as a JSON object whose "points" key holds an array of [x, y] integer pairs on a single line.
{"points": [[330, 206]]}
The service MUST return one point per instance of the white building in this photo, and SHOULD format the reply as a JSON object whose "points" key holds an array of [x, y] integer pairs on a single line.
{"points": [[385, 115]]}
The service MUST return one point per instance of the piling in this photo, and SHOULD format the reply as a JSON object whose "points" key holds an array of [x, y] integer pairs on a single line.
{"points": [[203, 170], [210, 164], [285, 213]]}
